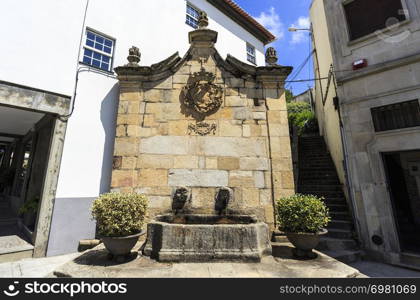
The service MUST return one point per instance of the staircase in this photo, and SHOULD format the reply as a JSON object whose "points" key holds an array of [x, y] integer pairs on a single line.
{"points": [[318, 176]]}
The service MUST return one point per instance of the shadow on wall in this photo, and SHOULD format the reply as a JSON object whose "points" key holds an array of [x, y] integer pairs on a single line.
{"points": [[109, 108]]}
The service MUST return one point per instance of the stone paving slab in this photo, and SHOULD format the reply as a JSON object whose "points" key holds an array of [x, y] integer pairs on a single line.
{"points": [[34, 267], [95, 264], [13, 243], [377, 269]]}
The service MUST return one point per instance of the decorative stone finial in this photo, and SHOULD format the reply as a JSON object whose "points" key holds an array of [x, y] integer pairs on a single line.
{"points": [[203, 21], [133, 57], [271, 56]]}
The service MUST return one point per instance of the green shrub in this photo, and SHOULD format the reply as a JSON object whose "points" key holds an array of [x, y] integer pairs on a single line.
{"points": [[301, 116], [120, 214], [30, 206], [302, 213]]}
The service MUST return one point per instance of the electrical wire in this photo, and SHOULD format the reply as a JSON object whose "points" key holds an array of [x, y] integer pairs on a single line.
{"points": [[64, 118], [306, 80], [300, 68]]}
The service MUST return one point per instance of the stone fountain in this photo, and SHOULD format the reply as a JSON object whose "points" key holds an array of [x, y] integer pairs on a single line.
{"points": [[187, 237], [206, 139]]}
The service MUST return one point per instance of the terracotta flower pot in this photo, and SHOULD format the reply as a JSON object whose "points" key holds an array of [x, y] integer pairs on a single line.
{"points": [[120, 247], [305, 243]]}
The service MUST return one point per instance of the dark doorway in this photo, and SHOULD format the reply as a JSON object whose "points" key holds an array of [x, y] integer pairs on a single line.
{"points": [[403, 175]]}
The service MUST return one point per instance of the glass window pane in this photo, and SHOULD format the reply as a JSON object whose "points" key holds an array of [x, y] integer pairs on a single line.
{"points": [[108, 43], [105, 58], [97, 56], [107, 50], [105, 66], [88, 53], [96, 63], [99, 46], [87, 60], [90, 35], [89, 43], [99, 39]]}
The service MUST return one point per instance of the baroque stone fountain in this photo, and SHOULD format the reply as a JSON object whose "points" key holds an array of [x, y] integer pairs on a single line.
{"points": [[206, 139], [183, 236]]}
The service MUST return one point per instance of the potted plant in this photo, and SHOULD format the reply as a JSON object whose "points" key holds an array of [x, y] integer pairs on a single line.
{"points": [[29, 210], [303, 218], [120, 218]]}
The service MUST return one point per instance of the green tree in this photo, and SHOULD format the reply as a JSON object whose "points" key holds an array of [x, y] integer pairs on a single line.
{"points": [[289, 96]]}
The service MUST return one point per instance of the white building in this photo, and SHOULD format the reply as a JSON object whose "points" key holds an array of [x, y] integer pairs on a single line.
{"points": [[70, 47]]}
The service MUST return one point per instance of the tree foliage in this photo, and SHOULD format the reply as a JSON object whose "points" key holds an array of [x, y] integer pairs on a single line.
{"points": [[301, 116]]}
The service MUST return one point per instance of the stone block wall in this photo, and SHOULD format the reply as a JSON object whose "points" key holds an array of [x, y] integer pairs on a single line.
{"points": [[244, 145]]}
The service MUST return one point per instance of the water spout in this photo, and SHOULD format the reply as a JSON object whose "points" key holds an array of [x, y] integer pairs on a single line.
{"points": [[223, 197], [180, 199]]}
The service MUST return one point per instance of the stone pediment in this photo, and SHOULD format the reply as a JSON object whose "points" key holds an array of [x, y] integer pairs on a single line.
{"points": [[172, 64]]}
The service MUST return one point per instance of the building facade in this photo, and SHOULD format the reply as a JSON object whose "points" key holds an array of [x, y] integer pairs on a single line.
{"points": [[376, 64], [71, 48], [324, 90]]}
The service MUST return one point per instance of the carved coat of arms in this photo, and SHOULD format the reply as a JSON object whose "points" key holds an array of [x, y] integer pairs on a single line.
{"points": [[201, 96]]}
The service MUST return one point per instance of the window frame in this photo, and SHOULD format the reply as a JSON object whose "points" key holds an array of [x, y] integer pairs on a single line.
{"points": [[101, 52], [376, 122], [373, 35], [188, 4], [253, 55]]}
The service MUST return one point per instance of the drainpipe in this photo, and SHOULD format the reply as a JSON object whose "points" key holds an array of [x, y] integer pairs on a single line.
{"points": [[347, 176]]}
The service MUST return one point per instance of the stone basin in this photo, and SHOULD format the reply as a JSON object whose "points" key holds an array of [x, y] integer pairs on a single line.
{"points": [[205, 238]]}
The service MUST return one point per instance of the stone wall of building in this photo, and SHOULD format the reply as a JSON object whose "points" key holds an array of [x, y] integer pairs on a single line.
{"points": [[391, 77], [163, 144]]}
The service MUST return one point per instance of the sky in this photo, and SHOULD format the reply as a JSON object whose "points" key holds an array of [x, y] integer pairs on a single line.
{"points": [[292, 48]]}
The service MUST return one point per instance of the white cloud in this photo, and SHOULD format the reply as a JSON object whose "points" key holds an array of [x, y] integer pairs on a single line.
{"points": [[271, 21], [300, 36]]}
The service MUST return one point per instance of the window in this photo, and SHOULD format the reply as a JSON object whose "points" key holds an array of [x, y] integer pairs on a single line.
{"points": [[250, 53], [192, 16], [396, 116], [98, 51], [365, 17]]}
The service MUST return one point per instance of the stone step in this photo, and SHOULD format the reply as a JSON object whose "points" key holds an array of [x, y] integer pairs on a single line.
{"points": [[320, 181], [315, 150], [4, 206], [345, 256], [335, 201], [344, 216], [340, 224], [333, 244], [279, 237], [312, 142], [315, 157], [315, 166], [316, 163], [337, 208], [317, 173], [326, 194], [340, 233], [318, 148], [8, 221], [323, 170], [321, 187]]}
